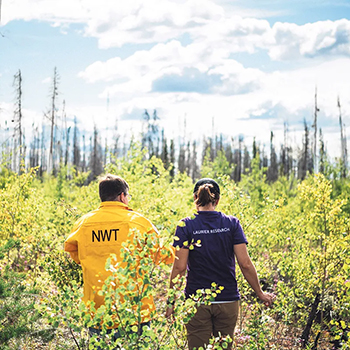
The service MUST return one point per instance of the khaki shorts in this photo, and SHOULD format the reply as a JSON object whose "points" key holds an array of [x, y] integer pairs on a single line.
{"points": [[211, 319]]}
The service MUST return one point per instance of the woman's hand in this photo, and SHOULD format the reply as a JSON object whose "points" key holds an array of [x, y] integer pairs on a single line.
{"points": [[267, 298]]}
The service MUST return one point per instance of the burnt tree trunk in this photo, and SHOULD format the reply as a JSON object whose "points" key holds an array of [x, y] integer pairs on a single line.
{"points": [[306, 332]]}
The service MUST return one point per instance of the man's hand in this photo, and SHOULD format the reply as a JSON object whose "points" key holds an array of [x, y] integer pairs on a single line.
{"points": [[267, 298]]}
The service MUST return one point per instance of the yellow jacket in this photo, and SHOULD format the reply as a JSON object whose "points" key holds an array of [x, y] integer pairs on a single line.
{"points": [[96, 236]]}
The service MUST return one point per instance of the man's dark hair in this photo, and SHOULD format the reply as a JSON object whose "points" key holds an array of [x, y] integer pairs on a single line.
{"points": [[111, 186]]}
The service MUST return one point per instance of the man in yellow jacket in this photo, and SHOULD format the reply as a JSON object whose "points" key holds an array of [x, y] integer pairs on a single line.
{"points": [[101, 233]]}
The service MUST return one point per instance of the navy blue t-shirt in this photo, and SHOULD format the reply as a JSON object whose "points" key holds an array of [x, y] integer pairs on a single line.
{"points": [[213, 260]]}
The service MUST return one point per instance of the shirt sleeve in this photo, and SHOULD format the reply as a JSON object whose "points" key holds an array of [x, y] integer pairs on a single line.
{"points": [[238, 235], [182, 238], [71, 244]]}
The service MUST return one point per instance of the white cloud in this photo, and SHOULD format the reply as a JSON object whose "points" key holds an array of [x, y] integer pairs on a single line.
{"points": [[137, 72], [311, 40], [234, 34], [207, 23], [194, 42], [140, 71], [279, 97], [149, 21], [282, 90], [295, 89], [59, 12], [236, 79], [291, 89], [115, 24]]}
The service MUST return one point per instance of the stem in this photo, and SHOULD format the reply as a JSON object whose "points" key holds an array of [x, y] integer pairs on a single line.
{"points": [[314, 347], [76, 343], [162, 337], [122, 326], [175, 338]]}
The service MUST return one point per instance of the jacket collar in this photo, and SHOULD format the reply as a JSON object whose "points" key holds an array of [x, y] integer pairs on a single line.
{"points": [[113, 204]]}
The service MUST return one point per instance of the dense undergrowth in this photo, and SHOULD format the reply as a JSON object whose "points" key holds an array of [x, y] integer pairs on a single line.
{"points": [[298, 237]]}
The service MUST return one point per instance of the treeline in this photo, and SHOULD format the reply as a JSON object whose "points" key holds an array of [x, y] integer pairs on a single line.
{"points": [[55, 145]]}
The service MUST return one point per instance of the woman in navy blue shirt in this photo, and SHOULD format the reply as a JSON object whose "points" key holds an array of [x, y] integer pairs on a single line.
{"points": [[213, 260]]}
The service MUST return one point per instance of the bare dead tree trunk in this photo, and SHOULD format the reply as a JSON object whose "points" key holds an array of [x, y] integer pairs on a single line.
{"points": [[105, 153], [96, 165], [76, 148], [195, 170], [188, 159], [322, 154], [344, 151], [84, 156], [237, 156], [17, 119], [52, 117], [272, 172], [172, 158], [315, 134], [164, 153], [116, 137], [305, 164], [42, 151], [306, 332], [285, 166], [246, 161], [181, 160], [63, 134], [67, 147]]}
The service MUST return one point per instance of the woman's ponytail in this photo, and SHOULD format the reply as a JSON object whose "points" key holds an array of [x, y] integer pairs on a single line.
{"points": [[206, 195]]}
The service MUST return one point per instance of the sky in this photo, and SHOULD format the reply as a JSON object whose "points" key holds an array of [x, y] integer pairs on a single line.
{"points": [[208, 67]]}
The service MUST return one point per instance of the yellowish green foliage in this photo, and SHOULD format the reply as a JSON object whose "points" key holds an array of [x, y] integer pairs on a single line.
{"points": [[299, 239]]}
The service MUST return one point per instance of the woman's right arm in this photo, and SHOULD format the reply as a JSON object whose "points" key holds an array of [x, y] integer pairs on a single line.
{"points": [[179, 269], [180, 265], [249, 272]]}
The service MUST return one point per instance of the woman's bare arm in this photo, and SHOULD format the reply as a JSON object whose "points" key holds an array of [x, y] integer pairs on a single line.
{"points": [[249, 272], [179, 269]]}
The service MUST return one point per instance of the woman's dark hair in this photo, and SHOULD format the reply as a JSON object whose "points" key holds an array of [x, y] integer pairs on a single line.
{"points": [[206, 191], [111, 186]]}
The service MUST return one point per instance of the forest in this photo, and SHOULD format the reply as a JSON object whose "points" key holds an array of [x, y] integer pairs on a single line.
{"points": [[52, 144], [293, 207]]}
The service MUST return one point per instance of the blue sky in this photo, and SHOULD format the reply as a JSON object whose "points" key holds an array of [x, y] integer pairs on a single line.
{"points": [[251, 65]]}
